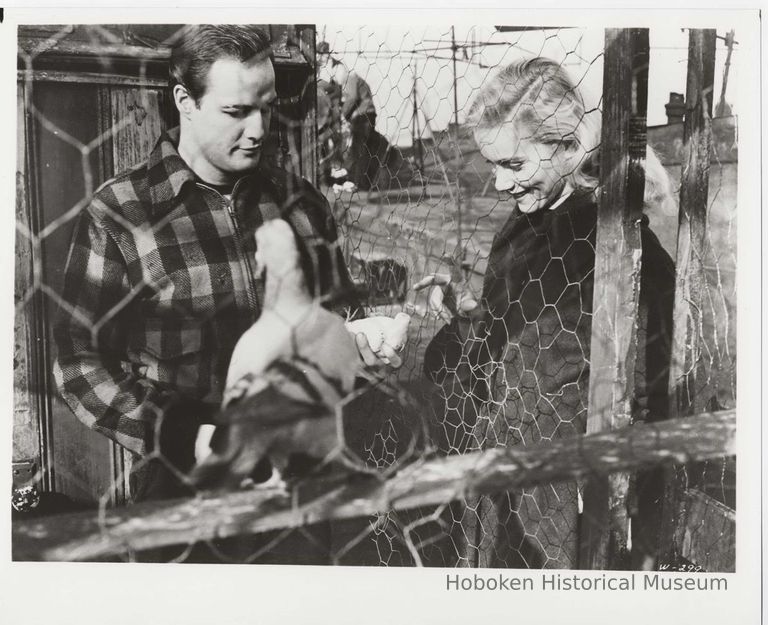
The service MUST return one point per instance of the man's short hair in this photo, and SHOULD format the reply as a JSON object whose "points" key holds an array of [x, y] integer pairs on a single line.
{"points": [[200, 46]]}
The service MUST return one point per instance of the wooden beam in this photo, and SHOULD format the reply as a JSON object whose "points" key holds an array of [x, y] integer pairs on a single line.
{"points": [[45, 75], [436, 481], [64, 46], [618, 253], [285, 53]]}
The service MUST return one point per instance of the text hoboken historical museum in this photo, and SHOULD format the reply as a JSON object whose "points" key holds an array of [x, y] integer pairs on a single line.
{"points": [[604, 582]]}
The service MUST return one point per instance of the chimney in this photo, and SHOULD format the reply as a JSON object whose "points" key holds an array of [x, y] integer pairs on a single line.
{"points": [[675, 108]]}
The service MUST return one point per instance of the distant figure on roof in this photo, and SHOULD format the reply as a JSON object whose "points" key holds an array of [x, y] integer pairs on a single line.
{"points": [[359, 112], [329, 133]]}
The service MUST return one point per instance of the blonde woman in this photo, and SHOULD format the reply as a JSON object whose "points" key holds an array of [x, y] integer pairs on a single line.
{"points": [[512, 365]]}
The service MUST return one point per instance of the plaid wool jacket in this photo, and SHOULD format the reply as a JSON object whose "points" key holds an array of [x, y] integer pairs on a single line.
{"points": [[160, 284]]}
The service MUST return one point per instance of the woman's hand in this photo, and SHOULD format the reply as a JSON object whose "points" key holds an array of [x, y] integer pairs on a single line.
{"points": [[448, 297], [203, 442], [452, 299]]}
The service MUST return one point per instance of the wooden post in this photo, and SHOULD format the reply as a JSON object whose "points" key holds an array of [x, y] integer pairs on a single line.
{"points": [[614, 333], [26, 428], [309, 144], [692, 234], [687, 392], [135, 117], [35, 312]]}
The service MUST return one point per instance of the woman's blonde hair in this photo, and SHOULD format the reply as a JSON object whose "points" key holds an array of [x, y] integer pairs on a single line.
{"points": [[539, 97]]}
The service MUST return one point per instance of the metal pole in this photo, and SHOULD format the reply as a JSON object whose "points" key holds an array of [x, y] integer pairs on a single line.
{"points": [[455, 94], [413, 121], [459, 235], [416, 128], [722, 106]]}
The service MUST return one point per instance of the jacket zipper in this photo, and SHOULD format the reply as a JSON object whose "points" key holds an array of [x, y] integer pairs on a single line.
{"points": [[250, 283]]}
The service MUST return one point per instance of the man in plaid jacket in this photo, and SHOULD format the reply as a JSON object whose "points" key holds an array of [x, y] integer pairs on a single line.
{"points": [[160, 282]]}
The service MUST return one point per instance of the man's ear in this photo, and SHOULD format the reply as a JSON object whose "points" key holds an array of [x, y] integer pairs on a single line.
{"points": [[183, 100]]}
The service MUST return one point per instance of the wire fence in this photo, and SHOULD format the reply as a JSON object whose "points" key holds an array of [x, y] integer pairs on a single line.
{"points": [[473, 452]]}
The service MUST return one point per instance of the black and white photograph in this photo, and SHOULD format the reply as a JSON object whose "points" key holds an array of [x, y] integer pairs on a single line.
{"points": [[378, 295]]}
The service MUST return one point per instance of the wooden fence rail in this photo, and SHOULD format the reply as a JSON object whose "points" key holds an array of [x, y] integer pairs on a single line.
{"points": [[436, 481]]}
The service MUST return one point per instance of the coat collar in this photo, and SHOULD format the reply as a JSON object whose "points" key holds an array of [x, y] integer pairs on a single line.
{"points": [[168, 177], [168, 174]]}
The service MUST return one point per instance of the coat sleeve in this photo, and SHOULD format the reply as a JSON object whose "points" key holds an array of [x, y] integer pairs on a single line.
{"points": [[458, 361], [657, 292], [89, 369]]}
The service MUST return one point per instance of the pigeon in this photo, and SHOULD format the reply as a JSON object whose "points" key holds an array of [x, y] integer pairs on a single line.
{"points": [[287, 377]]}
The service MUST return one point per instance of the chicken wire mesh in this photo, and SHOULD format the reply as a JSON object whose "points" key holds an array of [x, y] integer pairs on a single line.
{"points": [[420, 198]]}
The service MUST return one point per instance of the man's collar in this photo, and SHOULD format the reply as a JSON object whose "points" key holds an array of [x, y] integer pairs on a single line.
{"points": [[167, 173]]}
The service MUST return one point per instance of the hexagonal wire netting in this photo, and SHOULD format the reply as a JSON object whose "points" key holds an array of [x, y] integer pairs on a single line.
{"points": [[413, 194]]}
